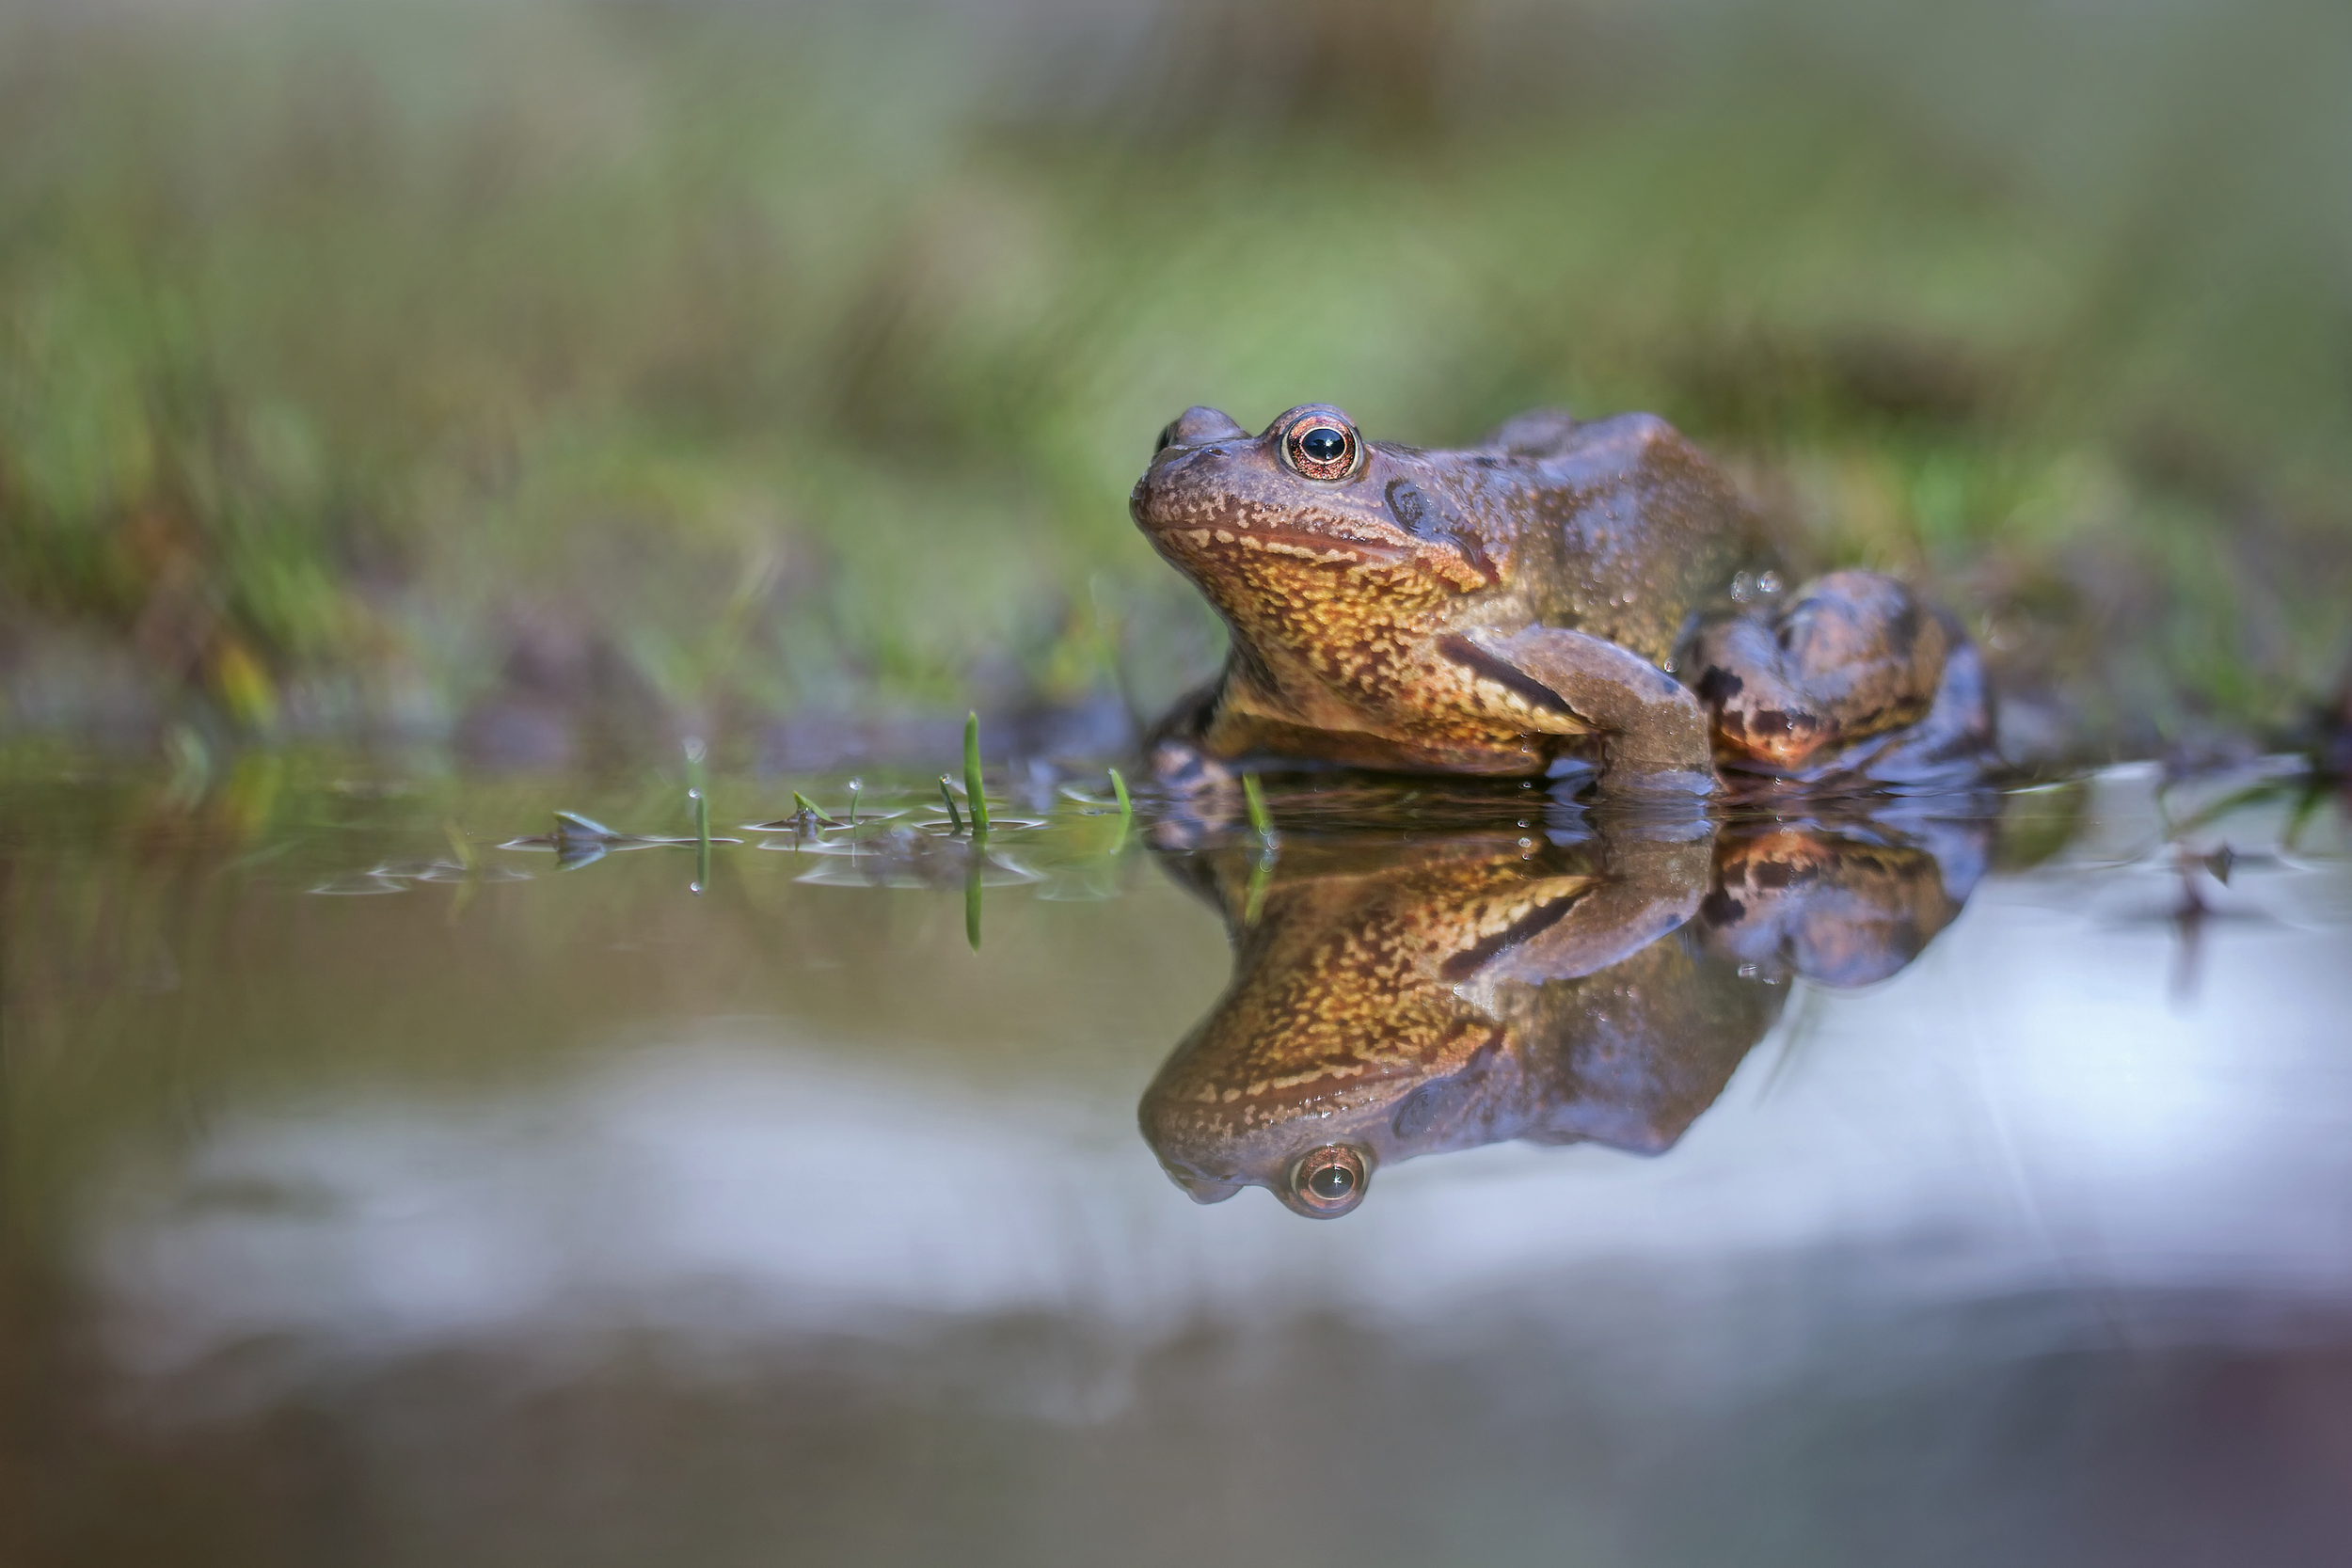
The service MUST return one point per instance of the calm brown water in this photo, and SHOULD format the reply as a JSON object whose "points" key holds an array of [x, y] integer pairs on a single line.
{"points": [[362, 1209]]}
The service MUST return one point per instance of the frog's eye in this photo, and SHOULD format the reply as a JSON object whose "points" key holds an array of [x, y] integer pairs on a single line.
{"points": [[1326, 1182], [1167, 440], [1321, 447]]}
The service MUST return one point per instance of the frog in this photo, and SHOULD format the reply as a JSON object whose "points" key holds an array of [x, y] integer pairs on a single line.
{"points": [[1567, 598], [1394, 998]]}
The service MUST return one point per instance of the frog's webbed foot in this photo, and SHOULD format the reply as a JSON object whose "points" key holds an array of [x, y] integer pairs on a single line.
{"points": [[1950, 746], [1654, 734], [1857, 678]]}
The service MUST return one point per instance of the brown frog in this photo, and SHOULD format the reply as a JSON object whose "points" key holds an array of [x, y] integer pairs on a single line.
{"points": [[1565, 594], [1392, 999]]}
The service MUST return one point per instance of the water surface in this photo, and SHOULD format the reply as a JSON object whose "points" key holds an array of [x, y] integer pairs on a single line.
{"points": [[1982, 1187]]}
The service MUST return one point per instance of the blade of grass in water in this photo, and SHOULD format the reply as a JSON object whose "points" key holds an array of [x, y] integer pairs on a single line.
{"points": [[1262, 865], [955, 817], [1261, 874], [972, 792], [1260, 819], [1126, 810]]}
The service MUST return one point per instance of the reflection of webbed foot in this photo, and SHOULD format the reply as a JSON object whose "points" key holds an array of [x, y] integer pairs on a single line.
{"points": [[1840, 909]]}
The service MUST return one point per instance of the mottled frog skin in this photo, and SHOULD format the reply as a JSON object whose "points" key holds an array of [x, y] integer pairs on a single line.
{"points": [[1392, 1000], [1566, 592]]}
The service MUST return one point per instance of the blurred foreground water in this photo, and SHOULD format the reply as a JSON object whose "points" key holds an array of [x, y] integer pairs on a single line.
{"points": [[376, 1195]]}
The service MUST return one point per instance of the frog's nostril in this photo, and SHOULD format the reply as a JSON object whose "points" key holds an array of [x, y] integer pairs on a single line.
{"points": [[1197, 425]]}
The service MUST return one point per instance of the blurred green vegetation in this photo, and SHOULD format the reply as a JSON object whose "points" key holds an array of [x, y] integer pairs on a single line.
{"points": [[372, 370]]}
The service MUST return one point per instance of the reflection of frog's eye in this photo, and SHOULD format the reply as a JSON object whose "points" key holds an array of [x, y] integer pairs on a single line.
{"points": [[1321, 448], [1328, 1181]]}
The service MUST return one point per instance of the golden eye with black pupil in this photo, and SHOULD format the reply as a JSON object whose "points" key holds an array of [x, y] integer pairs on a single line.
{"points": [[1320, 448], [1328, 1181]]}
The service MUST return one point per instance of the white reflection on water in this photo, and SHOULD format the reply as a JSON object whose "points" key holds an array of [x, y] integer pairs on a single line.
{"points": [[2029, 1110]]}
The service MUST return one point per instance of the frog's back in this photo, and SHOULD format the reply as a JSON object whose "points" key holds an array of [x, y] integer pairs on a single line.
{"points": [[1632, 529]]}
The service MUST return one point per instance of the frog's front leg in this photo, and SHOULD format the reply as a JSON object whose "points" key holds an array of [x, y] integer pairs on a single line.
{"points": [[1845, 673], [1654, 734]]}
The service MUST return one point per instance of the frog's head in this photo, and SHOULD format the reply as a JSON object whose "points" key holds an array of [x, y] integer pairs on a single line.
{"points": [[1263, 1097], [1319, 1180], [1308, 504]]}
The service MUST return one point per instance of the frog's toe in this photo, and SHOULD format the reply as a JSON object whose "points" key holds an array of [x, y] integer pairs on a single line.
{"points": [[1183, 768]]}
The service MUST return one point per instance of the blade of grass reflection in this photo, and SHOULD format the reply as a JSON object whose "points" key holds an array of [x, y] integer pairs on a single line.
{"points": [[2306, 807], [972, 895], [702, 841]]}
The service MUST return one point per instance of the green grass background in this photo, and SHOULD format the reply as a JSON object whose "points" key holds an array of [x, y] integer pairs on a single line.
{"points": [[777, 360]]}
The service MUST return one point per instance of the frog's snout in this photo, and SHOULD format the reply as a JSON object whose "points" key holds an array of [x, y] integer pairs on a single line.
{"points": [[1188, 465], [1201, 1188]]}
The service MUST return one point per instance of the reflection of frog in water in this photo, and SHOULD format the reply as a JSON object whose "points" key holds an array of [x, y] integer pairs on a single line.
{"points": [[1532, 602], [1398, 999]]}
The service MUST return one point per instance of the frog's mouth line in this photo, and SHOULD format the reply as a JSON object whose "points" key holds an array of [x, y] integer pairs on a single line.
{"points": [[1322, 549]]}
